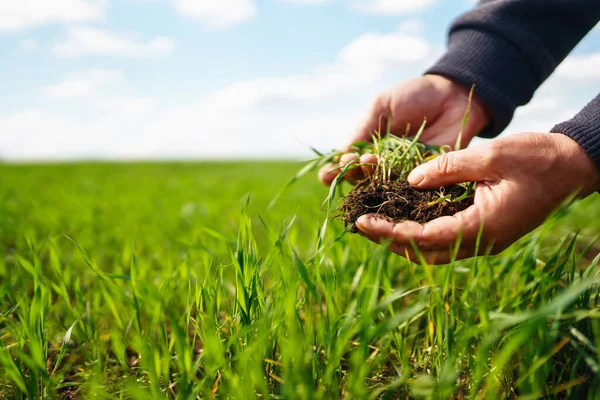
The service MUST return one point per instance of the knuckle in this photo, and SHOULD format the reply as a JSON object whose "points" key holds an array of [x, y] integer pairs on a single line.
{"points": [[446, 164], [347, 157], [494, 153], [396, 231], [380, 105]]}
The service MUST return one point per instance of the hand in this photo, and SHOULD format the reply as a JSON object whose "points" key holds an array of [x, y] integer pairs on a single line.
{"points": [[520, 179], [434, 97]]}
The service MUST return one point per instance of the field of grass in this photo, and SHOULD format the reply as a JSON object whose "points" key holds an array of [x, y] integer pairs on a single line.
{"points": [[149, 281]]}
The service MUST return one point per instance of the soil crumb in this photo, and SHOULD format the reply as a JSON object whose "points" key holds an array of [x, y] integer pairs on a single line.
{"points": [[397, 201]]}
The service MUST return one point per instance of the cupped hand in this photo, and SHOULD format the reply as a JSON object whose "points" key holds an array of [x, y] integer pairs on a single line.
{"points": [[438, 99], [520, 179]]}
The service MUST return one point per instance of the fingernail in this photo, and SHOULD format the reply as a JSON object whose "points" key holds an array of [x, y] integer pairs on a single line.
{"points": [[416, 176], [364, 223]]}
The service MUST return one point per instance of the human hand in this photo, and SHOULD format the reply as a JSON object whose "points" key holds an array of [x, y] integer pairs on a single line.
{"points": [[520, 179], [438, 99]]}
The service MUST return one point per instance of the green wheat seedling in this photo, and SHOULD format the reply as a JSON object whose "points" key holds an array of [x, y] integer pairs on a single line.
{"points": [[396, 157], [111, 289]]}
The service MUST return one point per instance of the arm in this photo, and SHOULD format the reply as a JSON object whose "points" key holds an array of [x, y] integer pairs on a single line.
{"points": [[584, 128], [508, 48]]}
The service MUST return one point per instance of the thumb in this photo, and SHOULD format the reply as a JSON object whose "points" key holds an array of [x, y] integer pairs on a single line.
{"points": [[469, 165], [375, 120]]}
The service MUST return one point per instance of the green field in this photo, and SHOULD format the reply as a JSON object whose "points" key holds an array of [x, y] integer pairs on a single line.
{"points": [[150, 281]]}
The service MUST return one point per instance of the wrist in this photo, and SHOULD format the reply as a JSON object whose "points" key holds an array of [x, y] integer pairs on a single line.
{"points": [[584, 174]]}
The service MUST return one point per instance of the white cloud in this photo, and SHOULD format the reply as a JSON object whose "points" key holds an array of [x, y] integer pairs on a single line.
{"points": [[548, 107], [130, 105], [93, 41], [28, 44], [217, 13], [541, 106], [16, 15], [98, 116], [264, 117], [393, 7], [248, 119], [180, 132], [561, 97], [308, 1], [385, 49], [581, 68], [411, 26], [541, 121], [361, 62], [81, 84]]}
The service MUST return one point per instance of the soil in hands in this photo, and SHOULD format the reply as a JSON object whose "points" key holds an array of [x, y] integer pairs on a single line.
{"points": [[397, 201]]}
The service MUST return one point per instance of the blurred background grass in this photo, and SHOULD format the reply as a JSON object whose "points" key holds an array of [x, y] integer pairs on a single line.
{"points": [[178, 289]]}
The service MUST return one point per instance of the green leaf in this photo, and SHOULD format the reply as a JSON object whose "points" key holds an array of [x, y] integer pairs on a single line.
{"points": [[304, 274]]}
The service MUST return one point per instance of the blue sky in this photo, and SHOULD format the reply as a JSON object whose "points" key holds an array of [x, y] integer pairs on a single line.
{"points": [[127, 79]]}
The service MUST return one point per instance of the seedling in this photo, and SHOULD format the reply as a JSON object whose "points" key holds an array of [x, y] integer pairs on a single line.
{"points": [[385, 191]]}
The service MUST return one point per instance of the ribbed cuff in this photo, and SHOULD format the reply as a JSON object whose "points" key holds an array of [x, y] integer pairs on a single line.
{"points": [[502, 76], [584, 128]]}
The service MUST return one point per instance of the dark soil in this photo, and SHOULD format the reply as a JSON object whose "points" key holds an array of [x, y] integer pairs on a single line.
{"points": [[397, 201]]}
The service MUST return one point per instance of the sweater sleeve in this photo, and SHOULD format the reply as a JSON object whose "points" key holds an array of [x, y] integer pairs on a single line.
{"points": [[508, 48], [584, 128]]}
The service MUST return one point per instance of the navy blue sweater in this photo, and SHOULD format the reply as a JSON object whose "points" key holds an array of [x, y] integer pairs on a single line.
{"points": [[508, 48]]}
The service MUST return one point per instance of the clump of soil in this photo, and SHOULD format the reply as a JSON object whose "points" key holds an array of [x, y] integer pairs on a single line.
{"points": [[397, 201]]}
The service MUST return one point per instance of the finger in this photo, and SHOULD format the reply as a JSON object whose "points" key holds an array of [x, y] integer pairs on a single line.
{"points": [[443, 131], [441, 234], [354, 174], [368, 162], [376, 119], [328, 173], [431, 257], [373, 239], [401, 233], [474, 164], [444, 232]]}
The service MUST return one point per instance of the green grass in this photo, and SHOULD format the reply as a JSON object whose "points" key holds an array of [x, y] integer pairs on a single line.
{"points": [[176, 281]]}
